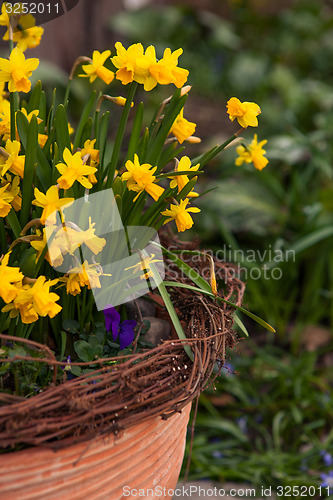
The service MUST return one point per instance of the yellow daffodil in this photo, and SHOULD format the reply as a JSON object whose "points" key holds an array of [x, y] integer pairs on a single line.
{"points": [[39, 245], [10, 159], [4, 18], [74, 170], [5, 119], [85, 275], [17, 71], [90, 239], [144, 267], [88, 148], [245, 112], [97, 68], [166, 70], [5, 201], [2, 91], [8, 277], [50, 202], [141, 178], [181, 128], [181, 180], [34, 301], [28, 116], [133, 64], [68, 239], [181, 215], [27, 35], [13, 189], [253, 153]]}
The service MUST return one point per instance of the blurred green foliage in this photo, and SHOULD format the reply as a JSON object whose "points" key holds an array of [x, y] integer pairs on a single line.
{"points": [[267, 422], [279, 59]]}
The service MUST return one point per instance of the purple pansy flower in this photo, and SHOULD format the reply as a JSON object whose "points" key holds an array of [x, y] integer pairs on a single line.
{"points": [[124, 330]]}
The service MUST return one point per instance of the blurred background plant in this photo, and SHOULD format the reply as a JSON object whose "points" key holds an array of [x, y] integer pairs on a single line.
{"points": [[277, 55]]}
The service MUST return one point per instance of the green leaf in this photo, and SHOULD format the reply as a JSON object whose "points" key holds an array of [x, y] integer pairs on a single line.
{"points": [[35, 97], [71, 325], [102, 138], [84, 350], [29, 170], [43, 170], [311, 239], [14, 223], [169, 153], [205, 158], [61, 127], [63, 344], [156, 145], [241, 325], [172, 313], [143, 145], [120, 133], [136, 132], [83, 120]]}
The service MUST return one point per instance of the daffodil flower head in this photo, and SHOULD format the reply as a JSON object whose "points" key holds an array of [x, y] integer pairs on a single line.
{"points": [[144, 267], [245, 112], [181, 128], [51, 203], [74, 170], [180, 181], [181, 215], [9, 278], [97, 68], [13, 189], [253, 153], [27, 35], [134, 64], [17, 71], [166, 70], [141, 178], [5, 201], [4, 119], [10, 159], [34, 301]]}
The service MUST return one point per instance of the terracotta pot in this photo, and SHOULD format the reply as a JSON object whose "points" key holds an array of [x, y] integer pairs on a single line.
{"points": [[146, 456]]}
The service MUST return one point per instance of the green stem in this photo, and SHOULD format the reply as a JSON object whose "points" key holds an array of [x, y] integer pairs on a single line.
{"points": [[13, 108], [120, 134], [67, 92]]}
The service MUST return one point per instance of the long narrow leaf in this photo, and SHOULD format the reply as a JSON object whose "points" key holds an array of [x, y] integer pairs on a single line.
{"points": [[83, 120], [62, 132], [172, 313], [136, 132], [205, 292], [29, 170]]}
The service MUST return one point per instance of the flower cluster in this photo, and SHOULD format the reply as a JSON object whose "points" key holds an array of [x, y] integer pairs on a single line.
{"points": [[54, 259]]}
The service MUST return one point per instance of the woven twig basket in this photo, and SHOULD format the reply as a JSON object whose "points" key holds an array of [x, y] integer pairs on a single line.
{"points": [[126, 390]]}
